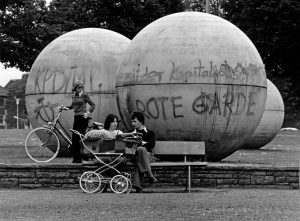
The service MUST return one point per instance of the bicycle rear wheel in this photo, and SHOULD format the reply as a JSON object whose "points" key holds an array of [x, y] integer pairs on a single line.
{"points": [[42, 145]]}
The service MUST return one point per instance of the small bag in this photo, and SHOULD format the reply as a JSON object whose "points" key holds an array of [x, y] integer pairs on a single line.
{"points": [[126, 147]]}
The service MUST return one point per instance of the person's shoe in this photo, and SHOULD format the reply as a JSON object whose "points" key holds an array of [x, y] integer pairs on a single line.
{"points": [[138, 189], [152, 180], [105, 189]]}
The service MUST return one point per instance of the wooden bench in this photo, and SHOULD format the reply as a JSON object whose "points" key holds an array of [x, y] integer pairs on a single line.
{"points": [[184, 149]]}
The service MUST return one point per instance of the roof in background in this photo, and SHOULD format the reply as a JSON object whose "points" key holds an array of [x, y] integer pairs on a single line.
{"points": [[3, 92]]}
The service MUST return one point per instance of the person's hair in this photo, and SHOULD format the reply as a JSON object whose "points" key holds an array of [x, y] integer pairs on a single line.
{"points": [[110, 118], [77, 84], [139, 116]]}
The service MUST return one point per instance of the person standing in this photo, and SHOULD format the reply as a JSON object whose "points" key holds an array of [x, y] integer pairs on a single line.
{"points": [[143, 152], [79, 101]]}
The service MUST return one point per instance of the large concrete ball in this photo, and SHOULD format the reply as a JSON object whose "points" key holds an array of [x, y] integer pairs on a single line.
{"points": [[270, 122], [197, 77], [90, 55]]}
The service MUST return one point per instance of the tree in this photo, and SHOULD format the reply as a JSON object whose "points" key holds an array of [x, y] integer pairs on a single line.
{"points": [[126, 17], [27, 26], [273, 27], [200, 6], [24, 32]]}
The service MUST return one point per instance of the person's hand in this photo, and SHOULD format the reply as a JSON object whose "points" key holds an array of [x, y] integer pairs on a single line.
{"points": [[87, 114], [62, 107], [137, 134]]}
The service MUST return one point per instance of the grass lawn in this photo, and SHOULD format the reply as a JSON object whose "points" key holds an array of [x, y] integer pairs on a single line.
{"points": [[283, 150]]}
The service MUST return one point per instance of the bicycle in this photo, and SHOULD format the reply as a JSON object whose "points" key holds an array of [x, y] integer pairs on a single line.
{"points": [[42, 144]]}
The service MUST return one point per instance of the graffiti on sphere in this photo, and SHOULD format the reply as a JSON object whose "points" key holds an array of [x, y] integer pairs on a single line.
{"points": [[180, 73], [44, 112], [226, 104], [52, 80]]}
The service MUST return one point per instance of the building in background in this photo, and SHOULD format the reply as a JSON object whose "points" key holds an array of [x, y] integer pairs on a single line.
{"points": [[3, 111], [16, 89]]}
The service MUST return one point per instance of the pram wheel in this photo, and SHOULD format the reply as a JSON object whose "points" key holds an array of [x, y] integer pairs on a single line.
{"points": [[90, 182], [128, 177], [119, 184]]}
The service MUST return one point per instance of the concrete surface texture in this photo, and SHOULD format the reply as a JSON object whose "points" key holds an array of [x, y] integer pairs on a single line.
{"points": [[197, 77], [90, 55], [270, 122], [166, 204]]}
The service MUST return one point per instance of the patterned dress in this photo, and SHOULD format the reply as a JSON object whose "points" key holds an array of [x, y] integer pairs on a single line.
{"points": [[94, 135]]}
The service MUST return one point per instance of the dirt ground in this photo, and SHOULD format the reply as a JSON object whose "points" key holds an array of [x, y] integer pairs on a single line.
{"points": [[283, 150], [204, 204]]}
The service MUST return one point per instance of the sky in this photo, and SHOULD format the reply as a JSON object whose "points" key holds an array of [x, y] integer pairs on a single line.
{"points": [[9, 74]]}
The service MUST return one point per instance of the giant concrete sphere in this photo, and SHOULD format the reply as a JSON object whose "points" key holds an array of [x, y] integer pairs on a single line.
{"points": [[270, 122], [90, 55], [197, 77]]}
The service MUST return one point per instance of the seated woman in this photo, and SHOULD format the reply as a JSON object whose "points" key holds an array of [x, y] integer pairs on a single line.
{"points": [[110, 127], [108, 132]]}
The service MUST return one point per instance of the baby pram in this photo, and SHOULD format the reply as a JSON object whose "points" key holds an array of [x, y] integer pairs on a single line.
{"points": [[116, 150]]}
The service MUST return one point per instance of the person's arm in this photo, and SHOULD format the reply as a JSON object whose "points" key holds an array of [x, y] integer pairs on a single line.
{"points": [[71, 106], [90, 102], [150, 139]]}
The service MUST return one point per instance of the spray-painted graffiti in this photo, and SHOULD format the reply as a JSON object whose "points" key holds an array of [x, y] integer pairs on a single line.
{"points": [[138, 75], [228, 103], [156, 107], [61, 81], [181, 73], [44, 112], [238, 72]]}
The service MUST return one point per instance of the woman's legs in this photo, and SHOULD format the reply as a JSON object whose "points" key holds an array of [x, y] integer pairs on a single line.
{"points": [[80, 124]]}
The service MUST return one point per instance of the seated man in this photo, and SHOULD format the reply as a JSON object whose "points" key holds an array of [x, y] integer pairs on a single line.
{"points": [[143, 153]]}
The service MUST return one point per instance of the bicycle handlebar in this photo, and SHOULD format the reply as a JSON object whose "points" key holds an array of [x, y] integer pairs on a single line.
{"points": [[61, 108]]}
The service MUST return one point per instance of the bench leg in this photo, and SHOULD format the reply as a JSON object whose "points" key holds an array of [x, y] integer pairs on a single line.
{"points": [[188, 179]]}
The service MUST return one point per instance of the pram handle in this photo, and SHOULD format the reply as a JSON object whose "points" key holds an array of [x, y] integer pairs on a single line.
{"points": [[98, 124], [76, 132]]}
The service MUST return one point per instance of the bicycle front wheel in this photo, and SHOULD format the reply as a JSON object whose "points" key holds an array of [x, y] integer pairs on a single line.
{"points": [[42, 145]]}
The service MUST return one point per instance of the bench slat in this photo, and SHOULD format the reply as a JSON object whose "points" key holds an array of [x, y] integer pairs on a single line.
{"points": [[179, 148], [179, 164]]}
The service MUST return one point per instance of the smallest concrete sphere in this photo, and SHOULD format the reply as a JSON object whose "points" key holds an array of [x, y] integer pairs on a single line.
{"points": [[270, 122]]}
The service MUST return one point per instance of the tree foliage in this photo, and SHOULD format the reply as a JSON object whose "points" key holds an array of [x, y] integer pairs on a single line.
{"points": [[27, 26], [214, 6], [126, 17], [24, 32], [273, 27]]}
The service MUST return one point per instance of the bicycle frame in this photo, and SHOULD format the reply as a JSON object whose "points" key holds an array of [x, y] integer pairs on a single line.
{"points": [[52, 126]]}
